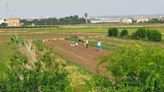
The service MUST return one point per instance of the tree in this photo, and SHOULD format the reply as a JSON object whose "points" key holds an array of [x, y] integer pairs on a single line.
{"points": [[54, 21], [155, 20], [3, 25], [112, 32], [154, 35], [139, 34], [124, 32]]}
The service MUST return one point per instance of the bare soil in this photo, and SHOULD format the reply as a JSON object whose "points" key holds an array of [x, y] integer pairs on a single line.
{"points": [[87, 57]]}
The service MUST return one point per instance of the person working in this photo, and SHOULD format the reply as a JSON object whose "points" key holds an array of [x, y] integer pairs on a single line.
{"points": [[87, 43], [99, 46]]}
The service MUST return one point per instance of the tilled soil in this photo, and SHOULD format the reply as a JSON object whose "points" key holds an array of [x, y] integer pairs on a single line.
{"points": [[87, 57]]}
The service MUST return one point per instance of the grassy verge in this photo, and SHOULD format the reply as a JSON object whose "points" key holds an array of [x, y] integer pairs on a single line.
{"points": [[6, 52], [80, 68], [163, 36], [88, 29], [106, 46]]}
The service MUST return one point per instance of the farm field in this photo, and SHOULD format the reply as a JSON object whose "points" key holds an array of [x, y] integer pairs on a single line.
{"points": [[92, 32], [82, 64], [96, 32], [92, 28], [87, 57]]}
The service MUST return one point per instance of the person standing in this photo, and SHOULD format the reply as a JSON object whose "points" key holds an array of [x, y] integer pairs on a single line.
{"points": [[99, 46], [87, 43]]}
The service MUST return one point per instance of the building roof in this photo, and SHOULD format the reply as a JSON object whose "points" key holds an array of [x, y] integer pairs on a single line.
{"points": [[162, 18]]}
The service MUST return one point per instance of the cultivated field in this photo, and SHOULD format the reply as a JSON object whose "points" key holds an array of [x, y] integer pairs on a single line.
{"points": [[45, 58], [91, 32]]}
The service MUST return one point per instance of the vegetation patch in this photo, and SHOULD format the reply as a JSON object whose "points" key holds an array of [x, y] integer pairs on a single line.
{"points": [[136, 68]]}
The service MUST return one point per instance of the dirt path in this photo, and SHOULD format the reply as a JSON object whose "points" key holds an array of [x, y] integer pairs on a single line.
{"points": [[86, 57]]}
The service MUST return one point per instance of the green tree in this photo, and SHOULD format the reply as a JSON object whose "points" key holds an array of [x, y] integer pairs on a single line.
{"points": [[154, 35], [124, 33], [139, 34], [54, 21], [3, 25], [113, 32]]}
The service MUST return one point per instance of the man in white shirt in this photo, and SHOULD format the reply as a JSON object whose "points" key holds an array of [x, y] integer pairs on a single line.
{"points": [[99, 45]]}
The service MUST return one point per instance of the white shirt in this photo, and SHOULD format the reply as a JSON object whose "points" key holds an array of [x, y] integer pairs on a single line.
{"points": [[99, 43]]}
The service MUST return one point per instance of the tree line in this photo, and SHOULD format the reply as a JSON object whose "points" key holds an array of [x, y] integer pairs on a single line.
{"points": [[55, 21], [155, 20], [139, 34]]}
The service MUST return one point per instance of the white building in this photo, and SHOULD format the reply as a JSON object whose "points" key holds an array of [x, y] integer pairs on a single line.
{"points": [[104, 20], [96, 21], [2, 21], [142, 20], [128, 21]]}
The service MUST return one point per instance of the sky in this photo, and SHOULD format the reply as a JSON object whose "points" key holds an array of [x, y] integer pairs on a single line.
{"points": [[61, 8]]}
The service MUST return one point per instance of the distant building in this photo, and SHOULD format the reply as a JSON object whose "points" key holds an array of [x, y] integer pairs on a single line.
{"points": [[128, 20], [142, 20], [104, 20], [13, 22], [96, 21], [2, 21], [162, 18]]}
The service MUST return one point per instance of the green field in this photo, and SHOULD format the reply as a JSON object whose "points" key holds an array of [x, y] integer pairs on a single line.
{"points": [[64, 31], [89, 28], [94, 33]]}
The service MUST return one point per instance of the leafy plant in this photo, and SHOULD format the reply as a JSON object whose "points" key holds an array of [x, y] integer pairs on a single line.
{"points": [[44, 73], [154, 35], [139, 34], [136, 68], [124, 33], [113, 32]]}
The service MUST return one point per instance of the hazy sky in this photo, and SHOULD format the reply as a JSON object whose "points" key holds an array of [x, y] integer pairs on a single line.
{"points": [[43, 8]]}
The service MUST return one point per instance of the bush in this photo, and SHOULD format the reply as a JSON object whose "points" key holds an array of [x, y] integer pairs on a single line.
{"points": [[124, 32], [3, 25], [139, 34], [136, 68], [112, 32], [44, 71], [133, 36], [154, 35]]}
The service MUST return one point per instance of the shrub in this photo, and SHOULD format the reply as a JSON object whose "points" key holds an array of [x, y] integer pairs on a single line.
{"points": [[3, 25], [39, 45], [112, 32], [124, 32], [133, 36], [139, 34], [136, 68], [46, 74], [154, 35], [99, 83]]}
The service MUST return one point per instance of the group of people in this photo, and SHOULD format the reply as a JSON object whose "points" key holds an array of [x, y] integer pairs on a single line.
{"points": [[85, 43]]}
